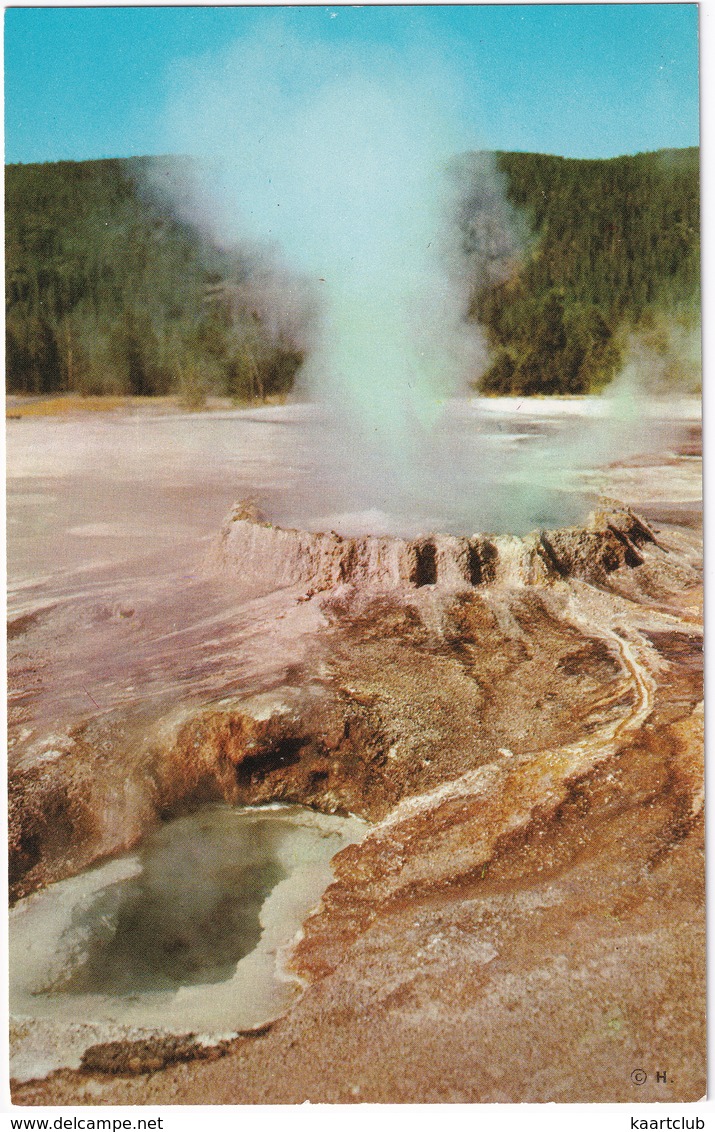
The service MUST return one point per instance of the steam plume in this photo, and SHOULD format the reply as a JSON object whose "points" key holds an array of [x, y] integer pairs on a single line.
{"points": [[333, 163], [334, 170]]}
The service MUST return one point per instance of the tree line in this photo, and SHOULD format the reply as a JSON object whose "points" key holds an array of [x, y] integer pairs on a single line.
{"points": [[108, 292], [612, 250]]}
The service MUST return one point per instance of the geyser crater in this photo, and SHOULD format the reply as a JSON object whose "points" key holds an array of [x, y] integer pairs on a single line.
{"points": [[274, 557]]}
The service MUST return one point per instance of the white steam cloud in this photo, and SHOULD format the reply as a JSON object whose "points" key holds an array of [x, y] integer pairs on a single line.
{"points": [[333, 163], [336, 172]]}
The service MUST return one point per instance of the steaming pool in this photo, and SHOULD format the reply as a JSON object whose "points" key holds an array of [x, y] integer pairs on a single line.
{"points": [[91, 500], [187, 933]]}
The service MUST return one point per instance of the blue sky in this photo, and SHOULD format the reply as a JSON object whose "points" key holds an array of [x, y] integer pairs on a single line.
{"points": [[582, 80]]}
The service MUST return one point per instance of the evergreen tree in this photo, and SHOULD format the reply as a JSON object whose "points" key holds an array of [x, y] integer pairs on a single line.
{"points": [[106, 292], [613, 244]]}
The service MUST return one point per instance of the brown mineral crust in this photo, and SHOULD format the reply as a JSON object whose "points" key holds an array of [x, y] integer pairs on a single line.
{"points": [[553, 969], [277, 557], [324, 756], [149, 1054], [525, 920], [612, 540], [400, 708], [67, 813], [455, 841]]}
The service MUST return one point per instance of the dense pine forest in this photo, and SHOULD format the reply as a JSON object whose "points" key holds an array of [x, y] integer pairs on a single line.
{"points": [[613, 251], [107, 292]]}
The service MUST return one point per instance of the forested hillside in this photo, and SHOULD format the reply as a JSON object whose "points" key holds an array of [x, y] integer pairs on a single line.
{"points": [[108, 293], [614, 248]]}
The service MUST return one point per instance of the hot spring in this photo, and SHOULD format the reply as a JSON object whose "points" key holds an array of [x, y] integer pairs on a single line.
{"points": [[187, 933], [468, 472]]}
